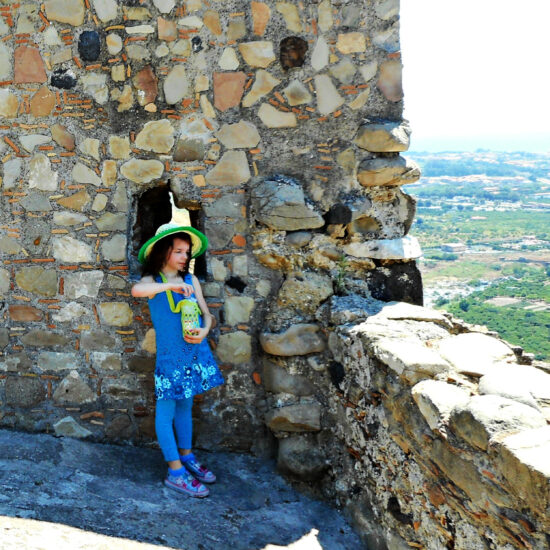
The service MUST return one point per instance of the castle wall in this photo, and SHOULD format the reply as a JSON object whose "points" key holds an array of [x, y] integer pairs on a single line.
{"points": [[277, 124]]}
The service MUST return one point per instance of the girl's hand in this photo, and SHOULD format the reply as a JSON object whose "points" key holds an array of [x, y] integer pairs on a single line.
{"points": [[197, 336], [180, 288]]}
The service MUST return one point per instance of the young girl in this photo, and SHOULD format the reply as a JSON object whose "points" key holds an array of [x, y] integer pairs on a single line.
{"points": [[184, 363]]}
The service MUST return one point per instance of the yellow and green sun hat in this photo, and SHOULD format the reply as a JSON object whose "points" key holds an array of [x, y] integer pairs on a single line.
{"points": [[199, 242]]}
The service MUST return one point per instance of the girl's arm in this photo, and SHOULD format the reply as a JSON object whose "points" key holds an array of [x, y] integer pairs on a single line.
{"points": [[148, 288], [200, 334]]}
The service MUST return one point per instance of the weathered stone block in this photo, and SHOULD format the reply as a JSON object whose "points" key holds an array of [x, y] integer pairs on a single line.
{"points": [[97, 340], [404, 248], [279, 203], [305, 291], [235, 347], [57, 361], [69, 427], [41, 338], [72, 390], [37, 280], [301, 456], [304, 417], [387, 171], [300, 339], [383, 137], [85, 283], [277, 379], [24, 392], [238, 309], [486, 416], [116, 314]]}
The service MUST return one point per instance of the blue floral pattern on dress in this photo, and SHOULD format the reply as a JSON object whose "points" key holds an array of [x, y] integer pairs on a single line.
{"points": [[182, 369]]}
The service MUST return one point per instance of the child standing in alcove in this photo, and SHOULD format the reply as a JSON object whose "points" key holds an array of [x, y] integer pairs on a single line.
{"points": [[184, 363]]}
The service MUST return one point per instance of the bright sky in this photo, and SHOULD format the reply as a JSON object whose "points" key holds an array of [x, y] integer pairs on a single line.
{"points": [[477, 74]]}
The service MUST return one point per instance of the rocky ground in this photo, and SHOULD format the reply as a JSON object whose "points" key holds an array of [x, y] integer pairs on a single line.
{"points": [[66, 493]]}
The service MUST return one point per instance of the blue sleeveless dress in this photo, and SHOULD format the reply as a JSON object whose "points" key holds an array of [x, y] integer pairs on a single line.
{"points": [[182, 369]]}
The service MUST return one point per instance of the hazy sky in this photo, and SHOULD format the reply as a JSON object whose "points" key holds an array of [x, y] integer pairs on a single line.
{"points": [[477, 73]]}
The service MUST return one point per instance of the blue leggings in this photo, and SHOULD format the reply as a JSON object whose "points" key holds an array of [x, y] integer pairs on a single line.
{"points": [[174, 413]]}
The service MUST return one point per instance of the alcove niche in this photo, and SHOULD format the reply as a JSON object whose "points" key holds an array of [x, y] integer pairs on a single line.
{"points": [[153, 209]]}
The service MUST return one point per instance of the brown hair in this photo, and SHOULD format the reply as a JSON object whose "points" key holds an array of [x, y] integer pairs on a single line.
{"points": [[160, 252]]}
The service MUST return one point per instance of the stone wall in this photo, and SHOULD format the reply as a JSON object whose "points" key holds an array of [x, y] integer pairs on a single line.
{"points": [[277, 124], [431, 433]]}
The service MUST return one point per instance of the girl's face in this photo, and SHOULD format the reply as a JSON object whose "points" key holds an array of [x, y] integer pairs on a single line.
{"points": [[177, 256]]}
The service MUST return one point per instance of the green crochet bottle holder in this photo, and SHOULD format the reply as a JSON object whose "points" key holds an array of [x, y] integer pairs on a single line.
{"points": [[190, 311]]}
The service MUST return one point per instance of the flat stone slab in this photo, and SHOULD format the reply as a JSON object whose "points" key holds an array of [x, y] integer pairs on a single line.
{"points": [[88, 495]]}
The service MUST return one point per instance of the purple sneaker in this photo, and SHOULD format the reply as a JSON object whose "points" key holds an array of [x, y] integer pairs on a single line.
{"points": [[202, 473], [186, 484]]}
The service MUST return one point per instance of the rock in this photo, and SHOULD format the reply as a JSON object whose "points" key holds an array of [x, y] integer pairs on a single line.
{"points": [[405, 248], [236, 29], [176, 85], [301, 457], [320, 55], [9, 246], [63, 137], [258, 53], [368, 70], [261, 14], [167, 30], [387, 39], [387, 171], [89, 46], [62, 56], [64, 79], [390, 81], [486, 416], [234, 347], [120, 427], [156, 136], [5, 62], [4, 285], [82, 174], [84, 283], [114, 249], [24, 392], [304, 417], [116, 314], [228, 89], [277, 379], [76, 201], [231, 169], [436, 399], [387, 9], [54, 361], [410, 359], [90, 148], [69, 250], [305, 291], [273, 118], [523, 460], [325, 15], [141, 53], [28, 66], [401, 310], [241, 135], [238, 309], [298, 238], [263, 84], [351, 42], [119, 147], [383, 137], [35, 202], [70, 312], [114, 43], [189, 150], [42, 102], [146, 84], [344, 71], [142, 171], [100, 202], [102, 361], [149, 343], [228, 60], [40, 338], [109, 173], [9, 104], [69, 427], [522, 383], [125, 98], [141, 365], [65, 11], [29, 143], [37, 280], [24, 313], [106, 10], [473, 353], [297, 94], [164, 6], [291, 16], [4, 333], [97, 340], [328, 98], [299, 339], [12, 172], [279, 203]]}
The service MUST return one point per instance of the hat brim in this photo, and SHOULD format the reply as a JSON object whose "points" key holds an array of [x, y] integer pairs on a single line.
{"points": [[199, 242]]}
